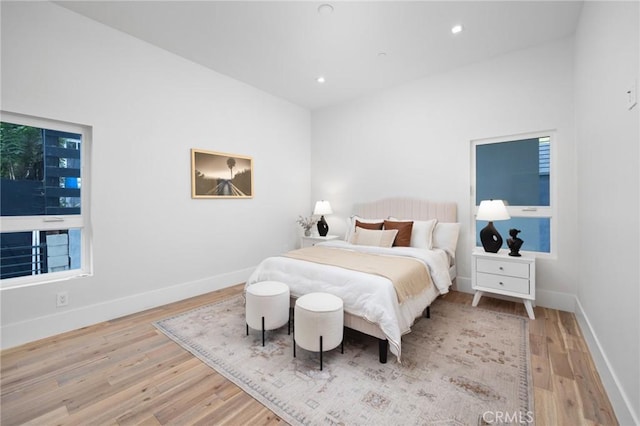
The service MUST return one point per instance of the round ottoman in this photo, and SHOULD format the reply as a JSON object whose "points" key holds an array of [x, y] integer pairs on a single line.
{"points": [[267, 306], [318, 323]]}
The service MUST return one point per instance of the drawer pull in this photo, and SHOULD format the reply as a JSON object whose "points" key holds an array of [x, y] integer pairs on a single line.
{"points": [[501, 283], [501, 268]]}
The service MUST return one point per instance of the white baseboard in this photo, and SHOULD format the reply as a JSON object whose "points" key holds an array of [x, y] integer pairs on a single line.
{"points": [[463, 284], [556, 300], [544, 298], [38, 328], [620, 401]]}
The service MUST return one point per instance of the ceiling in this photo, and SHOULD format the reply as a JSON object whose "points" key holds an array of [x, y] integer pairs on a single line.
{"points": [[359, 48]]}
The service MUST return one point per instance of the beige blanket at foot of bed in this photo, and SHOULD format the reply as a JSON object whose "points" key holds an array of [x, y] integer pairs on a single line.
{"points": [[409, 276]]}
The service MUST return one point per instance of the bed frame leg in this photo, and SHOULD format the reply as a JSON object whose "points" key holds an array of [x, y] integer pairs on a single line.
{"points": [[320, 353], [383, 346], [427, 312]]}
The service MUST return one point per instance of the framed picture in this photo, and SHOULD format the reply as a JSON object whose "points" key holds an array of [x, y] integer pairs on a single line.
{"points": [[220, 175]]}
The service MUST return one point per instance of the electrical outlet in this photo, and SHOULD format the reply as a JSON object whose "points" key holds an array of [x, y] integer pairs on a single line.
{"points": [[62, 299]]}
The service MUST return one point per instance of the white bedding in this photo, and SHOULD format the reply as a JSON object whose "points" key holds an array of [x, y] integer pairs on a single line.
{"points": [[368, 296]]}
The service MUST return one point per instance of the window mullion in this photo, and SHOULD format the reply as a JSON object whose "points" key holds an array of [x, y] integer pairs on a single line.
{"points": [[41, 223], [529, 211]]}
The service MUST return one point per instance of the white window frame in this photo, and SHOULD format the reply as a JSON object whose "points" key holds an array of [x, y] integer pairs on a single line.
{"points": [[56, 222], [524, 211]]}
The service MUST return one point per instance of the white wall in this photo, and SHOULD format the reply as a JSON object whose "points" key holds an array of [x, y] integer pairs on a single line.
{"points": [[607, 57], [414, 140], [152, 243]]}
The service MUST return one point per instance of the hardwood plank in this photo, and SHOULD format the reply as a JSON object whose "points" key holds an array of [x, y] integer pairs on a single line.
{"points": [[538, 326], [229, 412], [108, 409], [126, 372], [567, 401], [194, 394], [209, 404], [80, 400], [545, 407], [595, 407], [169, 379], [146, 408], [52, 417], [149, 421], [552, 332], [29, 391], [569, 323], [560, 364], [538, 345], [541, 372]]}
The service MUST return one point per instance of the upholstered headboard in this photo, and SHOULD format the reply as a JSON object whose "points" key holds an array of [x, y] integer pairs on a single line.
{"points": [[408, 208]]}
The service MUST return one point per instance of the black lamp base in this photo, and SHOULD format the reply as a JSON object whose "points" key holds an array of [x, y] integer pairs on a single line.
{"points": [[323, 228], [490, 238]]}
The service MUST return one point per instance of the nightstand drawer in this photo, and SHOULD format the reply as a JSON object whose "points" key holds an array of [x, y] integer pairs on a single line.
{"points": [[505, 283], [311, 241], [501, 267]]}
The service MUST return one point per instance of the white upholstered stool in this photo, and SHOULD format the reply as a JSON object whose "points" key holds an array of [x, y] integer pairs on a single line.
{"points": [[267, 306], [318, 323]]}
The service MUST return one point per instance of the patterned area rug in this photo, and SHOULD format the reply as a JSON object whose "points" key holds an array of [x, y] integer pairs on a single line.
{"points": [[464, 365]]}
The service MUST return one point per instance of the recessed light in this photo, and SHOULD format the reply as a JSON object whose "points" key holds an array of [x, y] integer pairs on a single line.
{"points": [[325, 9], [382, 54], [320, 79], [456, 29]]}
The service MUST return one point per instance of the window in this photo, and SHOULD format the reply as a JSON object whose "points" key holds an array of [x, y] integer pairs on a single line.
{"points": [[44, 200], [519, 171]]}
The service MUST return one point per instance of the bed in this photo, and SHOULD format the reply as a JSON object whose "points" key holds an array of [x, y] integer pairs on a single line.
{"points": [[372, 300]]}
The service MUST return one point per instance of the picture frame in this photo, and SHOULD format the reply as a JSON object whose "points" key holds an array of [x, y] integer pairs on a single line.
{"points": [[220, 175]]}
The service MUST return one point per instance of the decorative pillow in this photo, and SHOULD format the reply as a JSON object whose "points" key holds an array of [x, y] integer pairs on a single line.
{"points": [[351, 225], [369, 237], [376, 226], [403, 239], [445, 237], [421, 233]]}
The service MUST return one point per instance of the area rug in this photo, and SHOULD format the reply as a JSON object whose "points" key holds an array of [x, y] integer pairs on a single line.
{"points": [[462, 366]]}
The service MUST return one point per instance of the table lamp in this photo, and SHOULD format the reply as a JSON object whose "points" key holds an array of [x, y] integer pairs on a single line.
{"points": [[491, 210], [322, 208]]}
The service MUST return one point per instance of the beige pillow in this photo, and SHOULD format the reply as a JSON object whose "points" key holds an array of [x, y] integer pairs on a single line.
{"points": [[368, 237], [351, 225]]}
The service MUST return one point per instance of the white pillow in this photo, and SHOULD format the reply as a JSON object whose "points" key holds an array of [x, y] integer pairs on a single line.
{"points": [[369, 237], [445, 237], [421, 233], [351, 225]]}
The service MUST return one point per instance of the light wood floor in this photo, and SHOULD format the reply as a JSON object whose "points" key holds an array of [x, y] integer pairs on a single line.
{"points": [[126, 372]]}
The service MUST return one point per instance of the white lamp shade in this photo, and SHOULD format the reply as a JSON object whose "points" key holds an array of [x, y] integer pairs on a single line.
{"points": [[322, 208], [491, 210]]}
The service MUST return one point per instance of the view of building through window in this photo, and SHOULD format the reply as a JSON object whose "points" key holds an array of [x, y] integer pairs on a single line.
{"points": [[40, 187], [519, 173]]}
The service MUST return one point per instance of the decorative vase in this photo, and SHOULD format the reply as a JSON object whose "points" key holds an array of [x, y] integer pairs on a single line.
{"points": [[307, 232]]}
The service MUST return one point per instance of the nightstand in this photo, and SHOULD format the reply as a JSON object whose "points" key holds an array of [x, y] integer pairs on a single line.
{"points": [[313, 240], [499, 273]]}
